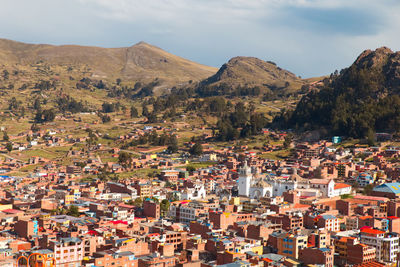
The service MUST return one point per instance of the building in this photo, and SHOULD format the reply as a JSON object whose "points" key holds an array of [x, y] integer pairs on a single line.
{"points": [[386, 244], [25, 228], [360, 254], [315, 255], [328, 222], [244, 181], [290, 244], [389, 190], [156, 260], [151, 209], [350, 250], [252, 187], [364, 179], [185, 211], [124, 258], [69, 250]]}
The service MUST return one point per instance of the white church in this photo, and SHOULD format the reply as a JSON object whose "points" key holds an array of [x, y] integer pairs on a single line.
{"points": [[254, 187], [250, 186]]}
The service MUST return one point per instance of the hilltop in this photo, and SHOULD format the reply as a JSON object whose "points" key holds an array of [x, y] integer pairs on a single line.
{"points": [[252, 73], [141, 62], [358, 101]]}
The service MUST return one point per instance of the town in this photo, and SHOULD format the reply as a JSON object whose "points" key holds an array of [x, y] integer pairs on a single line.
{"points": [[190, 133], [326, 204]]}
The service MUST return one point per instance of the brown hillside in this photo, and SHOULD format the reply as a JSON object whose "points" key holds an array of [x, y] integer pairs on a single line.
{"points": [[140, 62], [251, 72]]}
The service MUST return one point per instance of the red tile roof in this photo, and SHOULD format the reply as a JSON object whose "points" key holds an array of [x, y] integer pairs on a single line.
{"points": [[341, 185], [372, 231], [12, 211]]}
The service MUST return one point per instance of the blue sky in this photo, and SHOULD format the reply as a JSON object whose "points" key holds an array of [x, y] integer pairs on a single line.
{"points": [[307, 37]]}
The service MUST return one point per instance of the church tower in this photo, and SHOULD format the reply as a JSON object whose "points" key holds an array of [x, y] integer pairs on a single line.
{"points": [[244, 181]]}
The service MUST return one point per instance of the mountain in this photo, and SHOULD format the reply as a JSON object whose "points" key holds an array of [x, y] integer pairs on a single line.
{"points": [[251, 72], [357, 102], [140, 62]]}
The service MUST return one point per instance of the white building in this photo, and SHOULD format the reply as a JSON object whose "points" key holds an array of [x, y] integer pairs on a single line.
{"points": [[307, 187], [387, 245], [196, 192], [252, 186], [293, 182], [244, 180], [326, 186]]}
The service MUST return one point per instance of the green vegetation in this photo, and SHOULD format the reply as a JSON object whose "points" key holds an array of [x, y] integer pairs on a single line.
{"points": [[346, 196], [196, 149], [164, 207], [359, 101], [73, 211]]}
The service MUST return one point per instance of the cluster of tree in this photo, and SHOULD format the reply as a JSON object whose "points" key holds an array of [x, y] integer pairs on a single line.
{"points": [[6, 137], [68, 103], [146, 90], [104, 117], [92, 137], [84, 83], [225, 89], [14, 104], [6, 74], [16, 107], [124, 91], [139, 90], [124, 158], [73, 211], [356, 103], [153, 138], [241, 123], [134, 112], [110, 107], [45, 115], [44, 85], [216, 105], [196, 149]]}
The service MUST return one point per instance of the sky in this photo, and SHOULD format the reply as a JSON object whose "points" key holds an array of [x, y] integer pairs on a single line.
{"points": [[308, 37]]}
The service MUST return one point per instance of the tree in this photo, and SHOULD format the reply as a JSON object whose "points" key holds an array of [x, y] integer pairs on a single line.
{"points": [[6, 137], [92, 138], [371, 137], [105, 118], [152, 117], [35, 128], [134, 112], [45, 115], [196, 149], [164, 206], [73, 211], [138, 202], [124, 158], [9, 146], [108, 107], [368, 189], [288, 141], [5, 74], [173, 146], [145, 111], [190, 169], [13, 104], [37, 104]]}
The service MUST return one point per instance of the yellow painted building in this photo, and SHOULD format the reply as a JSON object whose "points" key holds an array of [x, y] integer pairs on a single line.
{"points": [[68, 199], [235, 201]]}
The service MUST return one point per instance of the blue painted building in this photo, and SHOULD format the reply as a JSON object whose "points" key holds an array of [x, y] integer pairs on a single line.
{"points": [[389, 190]]}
